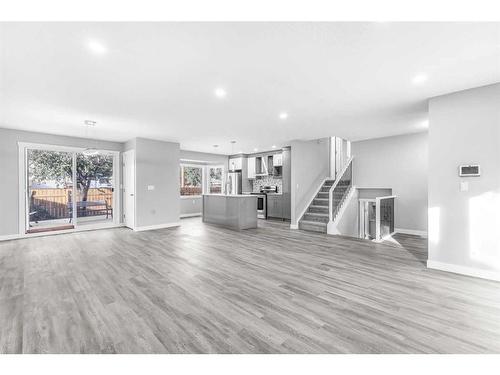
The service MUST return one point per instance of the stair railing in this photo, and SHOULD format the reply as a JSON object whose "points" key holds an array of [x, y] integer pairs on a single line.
{"points": [[344, 175]]}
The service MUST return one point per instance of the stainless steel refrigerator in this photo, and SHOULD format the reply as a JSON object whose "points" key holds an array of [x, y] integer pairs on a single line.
{"points": [[233, 185]]}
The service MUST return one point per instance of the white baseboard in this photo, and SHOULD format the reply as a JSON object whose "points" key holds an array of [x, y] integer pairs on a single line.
{"points": [[190, 215], [294, 226], [157, 226], [84, 228], [463, 270], [10, 237], [415, 232]]}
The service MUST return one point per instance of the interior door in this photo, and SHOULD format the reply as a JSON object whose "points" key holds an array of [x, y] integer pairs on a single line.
{"points": [[129, 188]]}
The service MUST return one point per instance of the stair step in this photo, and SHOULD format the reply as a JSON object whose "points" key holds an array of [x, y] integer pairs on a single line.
{"points": [[323, 194], [320, 202], [313, 226], [319, 209], [316, 217]]}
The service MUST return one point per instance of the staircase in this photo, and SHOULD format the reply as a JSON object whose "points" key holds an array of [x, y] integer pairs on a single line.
{"points": [[317, 215]]}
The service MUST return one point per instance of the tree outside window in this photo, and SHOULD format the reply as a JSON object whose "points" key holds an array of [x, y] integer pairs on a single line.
{"points": [[215, 180], [191, 179]]}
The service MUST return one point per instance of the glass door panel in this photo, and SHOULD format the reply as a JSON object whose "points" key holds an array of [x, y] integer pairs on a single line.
{"points": [[95, 188], [49, 190]]}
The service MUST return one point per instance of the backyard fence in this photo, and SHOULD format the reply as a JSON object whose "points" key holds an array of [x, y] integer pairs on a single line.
{"points": [[53, 202]]}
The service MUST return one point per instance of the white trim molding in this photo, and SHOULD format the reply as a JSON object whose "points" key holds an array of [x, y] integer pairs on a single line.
{"points": [[294, 226], [84, 228], [414, 232], [190, 215], [157, 226], [464, 270]]}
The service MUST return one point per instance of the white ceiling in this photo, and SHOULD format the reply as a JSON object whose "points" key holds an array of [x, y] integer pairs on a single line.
{"points": [[157, 80]]}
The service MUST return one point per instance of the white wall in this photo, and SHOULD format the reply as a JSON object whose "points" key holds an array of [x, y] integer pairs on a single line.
{"points": [[463, 226], [310, 165], [400, 163], [9, 167]]}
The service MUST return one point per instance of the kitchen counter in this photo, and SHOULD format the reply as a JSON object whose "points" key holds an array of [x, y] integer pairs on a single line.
{"points": [[232, 211]]}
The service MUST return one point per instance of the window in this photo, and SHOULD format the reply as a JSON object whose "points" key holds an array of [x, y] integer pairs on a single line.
{"points": [[215, 179], [191, 180]]}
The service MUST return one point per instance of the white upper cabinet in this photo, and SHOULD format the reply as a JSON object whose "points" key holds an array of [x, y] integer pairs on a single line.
{"points": [[235, 164], [251, 167], [277, 160]]}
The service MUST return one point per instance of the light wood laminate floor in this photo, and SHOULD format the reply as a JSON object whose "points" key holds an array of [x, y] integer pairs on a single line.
{"points": [[205, 289]]}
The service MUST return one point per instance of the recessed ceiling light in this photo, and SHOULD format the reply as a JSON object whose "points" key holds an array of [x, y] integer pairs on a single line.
{"points": [[283, 115], [215, 146], [420, 78], [273, 146], [424, 124], [220, 92], [90, 122], [240, 152], [256, 149], [96, 47]]}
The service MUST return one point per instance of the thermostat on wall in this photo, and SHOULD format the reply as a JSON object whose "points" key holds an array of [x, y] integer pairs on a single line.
{"points": [[469, 171]]}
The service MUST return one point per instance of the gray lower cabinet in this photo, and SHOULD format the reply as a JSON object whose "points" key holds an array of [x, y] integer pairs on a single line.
{"points": [[275, 206]]}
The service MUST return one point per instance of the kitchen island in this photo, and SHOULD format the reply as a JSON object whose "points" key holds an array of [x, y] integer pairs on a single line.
{"points": [[232, 211]]}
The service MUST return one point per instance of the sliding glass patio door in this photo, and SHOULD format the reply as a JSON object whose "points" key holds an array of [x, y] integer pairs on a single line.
{"points": [[95, 189], [49, 190], [66, 189]]}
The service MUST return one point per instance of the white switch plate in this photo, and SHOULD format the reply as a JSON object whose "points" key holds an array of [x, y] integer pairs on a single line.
{"points": [[151, 187], [464, 186]]}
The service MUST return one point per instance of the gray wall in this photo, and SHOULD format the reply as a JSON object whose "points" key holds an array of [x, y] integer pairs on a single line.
{"points": [[310, 165], [157, 163], [204, 157], [9, 154], [463, 226], [399, 163]]}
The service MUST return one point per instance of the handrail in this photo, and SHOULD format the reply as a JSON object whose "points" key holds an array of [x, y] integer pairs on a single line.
{"points": [[330, 192]]}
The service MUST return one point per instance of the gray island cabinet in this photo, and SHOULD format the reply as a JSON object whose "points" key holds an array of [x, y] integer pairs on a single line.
{"points": [[232, 211]]}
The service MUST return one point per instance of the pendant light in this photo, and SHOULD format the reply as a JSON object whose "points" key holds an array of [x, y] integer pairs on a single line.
{"points": [[89, 151]]}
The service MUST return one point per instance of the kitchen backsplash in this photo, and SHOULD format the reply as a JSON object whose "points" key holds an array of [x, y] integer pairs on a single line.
{"points": [[266, 181]]}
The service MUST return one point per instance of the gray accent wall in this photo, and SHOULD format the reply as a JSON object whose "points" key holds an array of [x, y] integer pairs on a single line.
{"points": [[157, 164], [9, 166], [398, 163], [310, 164], [463, 225]]}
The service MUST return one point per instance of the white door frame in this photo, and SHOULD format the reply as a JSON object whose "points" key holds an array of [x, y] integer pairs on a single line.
{"points": [[23, 186], [130, 153]]}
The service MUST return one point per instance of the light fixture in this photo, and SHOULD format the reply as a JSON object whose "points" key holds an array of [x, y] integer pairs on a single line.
{"points": [[220, 93], [96, 47], [273, 146], [256, 149], [425, 124], [420, 78], [215, 146], [283, 115], [89, 151]]}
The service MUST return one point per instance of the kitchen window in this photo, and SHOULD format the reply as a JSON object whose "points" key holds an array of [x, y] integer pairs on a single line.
{"points": [[191, 180], [215, 179]]}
